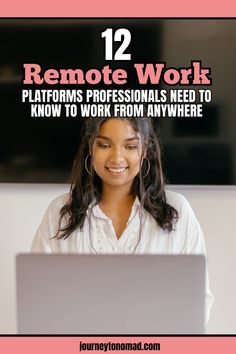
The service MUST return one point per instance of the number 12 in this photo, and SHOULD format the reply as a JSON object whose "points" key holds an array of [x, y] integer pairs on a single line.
{"points": [[121, 33]]}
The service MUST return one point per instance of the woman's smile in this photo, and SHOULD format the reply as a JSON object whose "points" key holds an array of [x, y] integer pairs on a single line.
{"points": [[116, 171]]}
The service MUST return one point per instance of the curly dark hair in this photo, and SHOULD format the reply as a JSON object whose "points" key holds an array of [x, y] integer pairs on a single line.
{"points": [[87, 187]]}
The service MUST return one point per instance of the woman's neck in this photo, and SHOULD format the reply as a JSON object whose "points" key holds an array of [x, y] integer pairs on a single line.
{"points": [[116, 197], [116, 203]]}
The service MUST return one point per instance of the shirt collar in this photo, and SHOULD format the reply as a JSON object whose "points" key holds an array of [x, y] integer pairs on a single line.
{"points": [[97, 212]]}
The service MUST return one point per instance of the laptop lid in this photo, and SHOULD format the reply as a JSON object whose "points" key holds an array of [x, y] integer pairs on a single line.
{"points": [[110, 294]]}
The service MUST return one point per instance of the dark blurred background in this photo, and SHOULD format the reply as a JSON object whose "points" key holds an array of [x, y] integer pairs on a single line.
{"points": [[41, 150]]}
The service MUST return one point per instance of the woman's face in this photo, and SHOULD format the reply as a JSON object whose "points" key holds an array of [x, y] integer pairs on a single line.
{"points": [[116, 153]]}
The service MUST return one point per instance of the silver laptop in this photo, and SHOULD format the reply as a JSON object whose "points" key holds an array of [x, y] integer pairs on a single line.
{"points": [[108, 294]]}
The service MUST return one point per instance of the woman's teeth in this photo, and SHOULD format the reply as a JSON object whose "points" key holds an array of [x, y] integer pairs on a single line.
{"points": [[117, 170]]}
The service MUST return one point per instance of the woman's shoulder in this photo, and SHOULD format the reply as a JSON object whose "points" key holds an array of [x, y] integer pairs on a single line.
{"points": [[56, 204], [181, 204], [187, 217], [52, 214], [60, 201], [44, 240], [175, 199]]}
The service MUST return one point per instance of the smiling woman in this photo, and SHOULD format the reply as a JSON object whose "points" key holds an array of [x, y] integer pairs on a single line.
{"points": [[117, 157], [117, 202], [117, 152], [122, 163]]}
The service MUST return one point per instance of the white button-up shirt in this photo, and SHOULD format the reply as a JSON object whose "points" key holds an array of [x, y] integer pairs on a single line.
{"points": [[142, 234]]}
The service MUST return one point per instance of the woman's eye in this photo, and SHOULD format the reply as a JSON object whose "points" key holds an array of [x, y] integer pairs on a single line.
{"points": [[131, 147], [103, 146]]}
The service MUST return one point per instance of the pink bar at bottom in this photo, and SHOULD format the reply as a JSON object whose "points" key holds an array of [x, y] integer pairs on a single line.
{"points": [[151, 344]]}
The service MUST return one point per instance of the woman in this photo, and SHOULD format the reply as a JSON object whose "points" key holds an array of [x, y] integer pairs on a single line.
{"points": [[117, 202]]}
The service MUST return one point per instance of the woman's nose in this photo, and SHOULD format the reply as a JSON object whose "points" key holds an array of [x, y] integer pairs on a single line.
{"points": [[116, 155]]}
